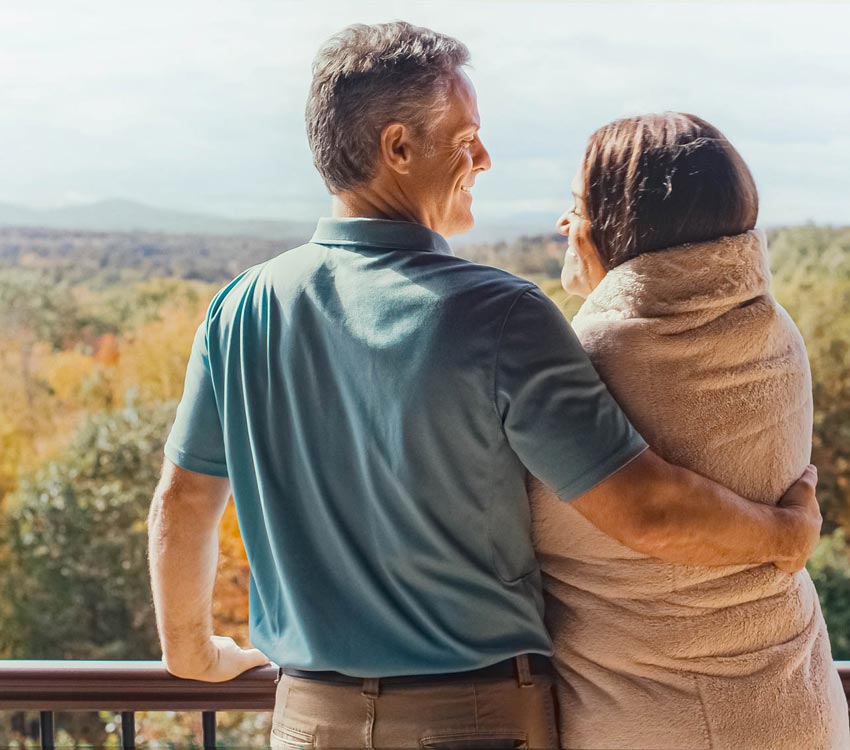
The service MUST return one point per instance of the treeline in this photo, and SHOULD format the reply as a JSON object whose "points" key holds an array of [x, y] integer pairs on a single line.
{"points": [[100, 259]]}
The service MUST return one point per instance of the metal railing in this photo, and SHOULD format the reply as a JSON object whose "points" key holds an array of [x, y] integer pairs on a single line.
{"points": [[127, 687], [130, 686]]}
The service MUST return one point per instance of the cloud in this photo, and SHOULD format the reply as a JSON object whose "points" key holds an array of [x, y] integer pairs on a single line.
{"points": [[200, 106]]}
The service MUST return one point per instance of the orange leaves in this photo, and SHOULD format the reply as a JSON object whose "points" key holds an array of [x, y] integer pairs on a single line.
{"points": [[152, 361], [107, 353], [230, 604], [65, 372]]}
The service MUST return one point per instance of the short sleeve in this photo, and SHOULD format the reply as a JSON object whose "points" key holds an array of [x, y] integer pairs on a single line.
{"points": [[196, 441], [558, 416]]}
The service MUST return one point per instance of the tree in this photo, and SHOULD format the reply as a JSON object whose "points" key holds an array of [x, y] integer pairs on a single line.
{"points": [[73, 570], [812, 281], [75, 585], [829, 567], [34, 320]]}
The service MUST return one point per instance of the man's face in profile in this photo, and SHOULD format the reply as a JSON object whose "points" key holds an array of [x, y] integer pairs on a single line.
{"points": [[443, 175]]}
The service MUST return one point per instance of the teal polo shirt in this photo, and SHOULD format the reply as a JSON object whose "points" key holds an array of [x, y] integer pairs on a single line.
{"points": [[377, 403]]}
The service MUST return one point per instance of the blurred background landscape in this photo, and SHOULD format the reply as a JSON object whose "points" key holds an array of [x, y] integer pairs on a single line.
{"points": [[95, 332], [151, 153]]}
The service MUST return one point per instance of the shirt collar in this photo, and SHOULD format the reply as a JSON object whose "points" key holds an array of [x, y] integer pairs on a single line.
{"points": [[381, 233]]}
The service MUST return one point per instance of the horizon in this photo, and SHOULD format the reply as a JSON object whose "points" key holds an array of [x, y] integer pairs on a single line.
{"points": [[270, 229], [113, 103]]}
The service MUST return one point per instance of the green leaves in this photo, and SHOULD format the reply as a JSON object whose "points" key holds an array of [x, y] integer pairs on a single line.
{"points": [[829, 567], [811, 268], [75, 538]]}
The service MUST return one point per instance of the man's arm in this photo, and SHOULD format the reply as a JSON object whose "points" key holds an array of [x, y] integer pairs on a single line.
{"points": [[566, 428], [676, 515], [183, 551]]}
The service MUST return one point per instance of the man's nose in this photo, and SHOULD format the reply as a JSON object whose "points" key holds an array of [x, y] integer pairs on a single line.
{"points": [[482, 158]]}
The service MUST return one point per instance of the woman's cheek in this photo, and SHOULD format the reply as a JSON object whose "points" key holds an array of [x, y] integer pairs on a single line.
{"points": [[574, 276]]}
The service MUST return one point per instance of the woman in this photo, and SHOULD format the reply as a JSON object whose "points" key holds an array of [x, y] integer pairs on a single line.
{"points": [[681, 325]]}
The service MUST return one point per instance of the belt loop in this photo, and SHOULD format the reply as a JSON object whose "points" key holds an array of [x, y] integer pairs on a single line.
{"points": [[371, 687], [523, 671], [279, 675]]}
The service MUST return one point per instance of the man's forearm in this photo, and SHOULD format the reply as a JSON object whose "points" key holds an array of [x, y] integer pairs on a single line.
{"points": [[699, 522], [676, 515], [183, 551]]}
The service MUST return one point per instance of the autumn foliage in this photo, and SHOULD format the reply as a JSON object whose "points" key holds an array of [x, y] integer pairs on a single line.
{"points": [[92, 360]]}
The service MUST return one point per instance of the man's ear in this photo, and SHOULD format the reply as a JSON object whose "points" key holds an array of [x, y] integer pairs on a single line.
{"points": [[587, 252], [396, 147]]}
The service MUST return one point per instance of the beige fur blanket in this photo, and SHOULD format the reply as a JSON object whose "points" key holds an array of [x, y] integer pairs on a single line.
{"points": [[714, 374]]}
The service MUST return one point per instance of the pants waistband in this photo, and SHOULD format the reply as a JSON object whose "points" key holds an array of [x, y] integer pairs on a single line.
{"points": [[520, 667]]}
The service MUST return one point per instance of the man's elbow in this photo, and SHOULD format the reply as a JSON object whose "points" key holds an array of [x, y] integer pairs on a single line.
{"points": [[657, 518], [637, 505], [653, 528], [173, 508], [169, 519], [155, 510]]}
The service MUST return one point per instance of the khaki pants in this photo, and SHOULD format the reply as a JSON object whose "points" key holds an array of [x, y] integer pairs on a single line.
{"points": [[494, 713]]}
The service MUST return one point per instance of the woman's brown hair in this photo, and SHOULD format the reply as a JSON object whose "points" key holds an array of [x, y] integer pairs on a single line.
{"points": [[662, 180]]}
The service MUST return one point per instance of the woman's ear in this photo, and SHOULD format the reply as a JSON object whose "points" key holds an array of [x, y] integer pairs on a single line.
{"points": [[586, 250], [396, 148]]}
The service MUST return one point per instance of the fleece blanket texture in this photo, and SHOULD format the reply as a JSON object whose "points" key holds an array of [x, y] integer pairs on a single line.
{"points": [[714, 374]]}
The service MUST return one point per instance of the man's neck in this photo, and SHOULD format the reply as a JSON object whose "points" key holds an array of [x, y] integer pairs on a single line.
{"points": [[368, 205]]}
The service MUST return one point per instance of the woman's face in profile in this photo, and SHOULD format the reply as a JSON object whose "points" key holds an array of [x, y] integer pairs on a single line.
{"points": [[582, 269]]}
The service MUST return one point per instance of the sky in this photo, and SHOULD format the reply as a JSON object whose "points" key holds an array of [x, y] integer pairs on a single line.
{"points": [[198, 104]]}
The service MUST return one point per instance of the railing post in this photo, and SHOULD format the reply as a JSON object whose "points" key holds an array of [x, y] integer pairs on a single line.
{"points": [[46, 730], [208, 722], [128, 730]]}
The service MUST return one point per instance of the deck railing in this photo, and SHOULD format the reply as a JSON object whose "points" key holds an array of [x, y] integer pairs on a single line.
{"points": [[130, 686], [127, 687]]}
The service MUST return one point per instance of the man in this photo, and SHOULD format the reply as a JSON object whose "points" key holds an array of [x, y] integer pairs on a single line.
{"points": [[376, 404]]}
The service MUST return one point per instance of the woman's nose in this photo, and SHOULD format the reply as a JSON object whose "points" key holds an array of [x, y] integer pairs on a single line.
{"points": [[563, 224]]}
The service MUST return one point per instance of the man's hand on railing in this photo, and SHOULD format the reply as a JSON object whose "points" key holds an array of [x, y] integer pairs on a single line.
{"points": [[801, 502], [222, 660]]}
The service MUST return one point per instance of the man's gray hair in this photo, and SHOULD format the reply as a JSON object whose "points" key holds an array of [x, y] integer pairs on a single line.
{"points": [[366, 77]]}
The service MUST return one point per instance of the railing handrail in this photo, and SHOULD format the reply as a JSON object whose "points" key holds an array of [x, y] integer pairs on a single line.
{"points": [[146, 686], [71, 685]]}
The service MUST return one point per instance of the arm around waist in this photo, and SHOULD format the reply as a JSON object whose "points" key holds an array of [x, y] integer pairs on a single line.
{"points": [[677, 515]]}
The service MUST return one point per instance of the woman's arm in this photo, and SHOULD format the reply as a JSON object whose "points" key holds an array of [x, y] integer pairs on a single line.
{"points": [[676, 515]]}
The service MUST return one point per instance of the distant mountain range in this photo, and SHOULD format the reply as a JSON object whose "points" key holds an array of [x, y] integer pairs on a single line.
{"points": [[117, 215], [129, 216]]}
